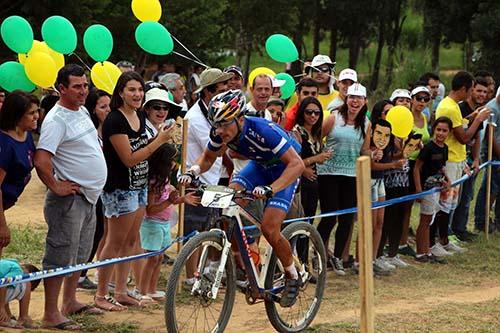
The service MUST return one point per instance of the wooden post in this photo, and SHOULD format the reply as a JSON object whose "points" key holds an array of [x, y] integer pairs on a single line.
{"points": [[365, 246], [488, 181], [180, 225]]}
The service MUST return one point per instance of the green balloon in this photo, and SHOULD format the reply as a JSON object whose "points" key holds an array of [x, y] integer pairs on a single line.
{"points": [[154, 38], [59, 34], [17, 34], [98, 42], [288, 88], [281, 48], [12, 77]]}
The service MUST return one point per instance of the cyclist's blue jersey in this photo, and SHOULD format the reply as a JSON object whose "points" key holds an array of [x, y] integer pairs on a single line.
{"points": [[260, 140]]}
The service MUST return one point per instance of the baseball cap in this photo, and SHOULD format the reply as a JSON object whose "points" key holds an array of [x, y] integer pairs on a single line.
{"points": [[356, 89], [404, 93], [152, 84], [420, 89], [157, 94], [348, 74], [233, 69], [277, 83]]}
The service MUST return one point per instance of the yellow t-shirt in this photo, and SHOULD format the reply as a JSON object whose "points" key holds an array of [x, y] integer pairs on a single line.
{"points": [[449, 108], [324, 99]]}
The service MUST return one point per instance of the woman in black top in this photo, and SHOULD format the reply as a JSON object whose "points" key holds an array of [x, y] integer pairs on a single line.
{"points": [[126, 150]]}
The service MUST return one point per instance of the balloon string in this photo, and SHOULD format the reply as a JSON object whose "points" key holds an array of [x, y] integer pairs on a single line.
{"points": [[84, 64], [186, 57], [185, 48], [316, 68]]}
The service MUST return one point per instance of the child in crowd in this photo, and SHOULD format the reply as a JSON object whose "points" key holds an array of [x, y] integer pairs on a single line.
{"points": [[160, 215], [429, 172], [20, 292]]}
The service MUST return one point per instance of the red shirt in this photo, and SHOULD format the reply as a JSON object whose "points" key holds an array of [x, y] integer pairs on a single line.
{"points": [[291, 115]]}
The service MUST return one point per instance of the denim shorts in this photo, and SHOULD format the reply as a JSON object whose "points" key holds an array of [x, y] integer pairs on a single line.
{"points": [[378, 189], [121, 202], [429, 205], [155, 234]]}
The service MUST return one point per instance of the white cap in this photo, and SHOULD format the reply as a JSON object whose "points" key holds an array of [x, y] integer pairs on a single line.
{"points": [[404, 93], [157, 94], [348, 74], [420, 89], [277, 83], [356, 89], [319, 60]]}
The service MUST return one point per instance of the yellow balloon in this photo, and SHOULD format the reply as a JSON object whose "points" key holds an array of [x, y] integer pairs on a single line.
{"points": [[44, 48], [146, 10], [258, 71], [104, 75], [401, 120], [41, 69]]}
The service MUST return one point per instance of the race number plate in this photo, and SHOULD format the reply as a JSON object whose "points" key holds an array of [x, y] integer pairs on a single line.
{"points": [[217, 197]]}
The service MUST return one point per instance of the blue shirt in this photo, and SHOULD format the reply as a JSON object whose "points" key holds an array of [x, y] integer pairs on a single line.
{"points": [[16, 159], [10, 268], [260, 140]]}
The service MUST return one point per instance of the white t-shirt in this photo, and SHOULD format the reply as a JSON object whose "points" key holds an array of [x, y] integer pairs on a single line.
{"points": [[70, 136], [198, 138]]}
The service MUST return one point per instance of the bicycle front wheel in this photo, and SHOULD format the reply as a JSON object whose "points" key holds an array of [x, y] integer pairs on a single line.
{"points": [[310, 259], [191, 307]]}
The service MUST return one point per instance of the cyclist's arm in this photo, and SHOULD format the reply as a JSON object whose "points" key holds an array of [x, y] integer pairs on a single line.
{"points": [[294, 168], [207, 159]]}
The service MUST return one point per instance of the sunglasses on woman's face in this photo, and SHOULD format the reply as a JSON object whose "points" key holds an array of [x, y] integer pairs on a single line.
{"points": [[310, 112], [158, 107], [423, 99]]}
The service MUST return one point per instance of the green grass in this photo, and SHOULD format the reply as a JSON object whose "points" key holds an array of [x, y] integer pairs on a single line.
{"points": [[27, 244], [92, 324]]}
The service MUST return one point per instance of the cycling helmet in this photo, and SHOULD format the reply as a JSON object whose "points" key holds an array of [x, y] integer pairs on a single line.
{"points": [[226, 106]]}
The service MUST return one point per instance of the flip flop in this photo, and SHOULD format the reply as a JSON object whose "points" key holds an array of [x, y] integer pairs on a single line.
{"points": [[114, 304], [69, 325], [88, 309]]}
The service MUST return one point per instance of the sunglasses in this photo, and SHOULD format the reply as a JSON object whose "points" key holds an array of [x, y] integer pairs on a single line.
{"points": [[322, 69], [422, 99], [310, 112], [158, 107]]}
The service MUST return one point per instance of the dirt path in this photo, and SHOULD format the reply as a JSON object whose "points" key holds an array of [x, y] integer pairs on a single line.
{"points": [[244, 317]]}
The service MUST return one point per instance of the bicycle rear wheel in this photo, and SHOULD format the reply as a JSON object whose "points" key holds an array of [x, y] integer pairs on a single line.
{"points": [[192, 308], [310, 259]]}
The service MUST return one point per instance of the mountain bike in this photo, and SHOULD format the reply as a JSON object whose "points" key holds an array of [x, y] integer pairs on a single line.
{"points": [[206, 305]]}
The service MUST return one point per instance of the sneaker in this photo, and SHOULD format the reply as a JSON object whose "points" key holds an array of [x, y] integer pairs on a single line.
{"points": [[188, 284], [422, 258], [407, 250], [451, 247], [455, 240], [348, 263], [337, 265], [87, 284], [387, 263], [355, 268], [396, 261], [439, 251], [436, 260], [466, 236], [380, 270], [290, 293]]}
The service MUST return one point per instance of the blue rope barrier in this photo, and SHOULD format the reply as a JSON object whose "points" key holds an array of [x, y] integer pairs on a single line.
{"points": [[9, 281], [48, 273]]}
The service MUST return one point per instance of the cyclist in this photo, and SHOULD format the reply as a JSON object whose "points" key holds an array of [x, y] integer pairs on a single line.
{"points": [[273, 172]]}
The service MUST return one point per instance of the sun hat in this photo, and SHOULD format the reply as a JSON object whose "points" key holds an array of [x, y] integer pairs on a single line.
{"points": [[157, 94], [404, 93], [212, 76], [319, 60]]}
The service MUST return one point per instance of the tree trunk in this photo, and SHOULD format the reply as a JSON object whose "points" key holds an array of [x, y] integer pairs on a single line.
{"points": [[296, 67], [354, 48], [333, 42], [396, 24], [436, 43], [317, 23], [378, 56], [248, 54]]}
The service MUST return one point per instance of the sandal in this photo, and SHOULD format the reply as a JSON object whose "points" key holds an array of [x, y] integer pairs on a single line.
{"points": [[131, 301], [146, 300], [114, 305]]}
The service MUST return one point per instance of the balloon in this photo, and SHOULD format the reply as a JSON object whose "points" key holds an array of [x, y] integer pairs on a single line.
{"points": [[42, 47], [17, 34], [104, 75], [288, 88], [12, 77], [401, 120], [59, 34], [257, 71], [281, 48], [154, 38], [146, 10], [41, 69], [98, 42]]}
